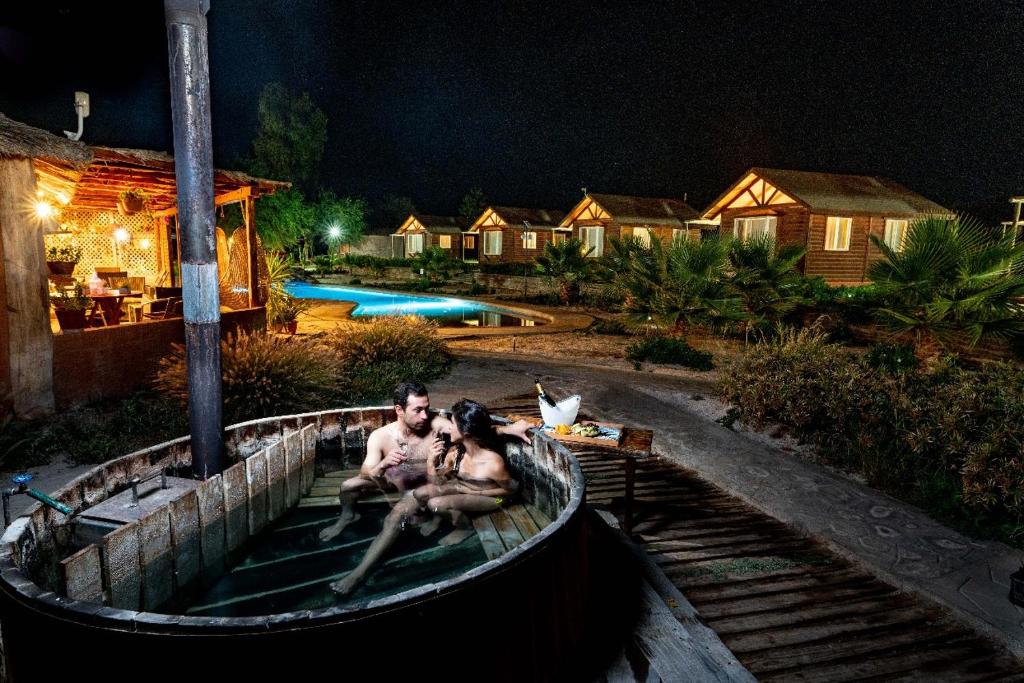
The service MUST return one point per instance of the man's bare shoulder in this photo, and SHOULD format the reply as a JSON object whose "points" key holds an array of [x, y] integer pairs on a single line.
{"points": [[381, 435]]}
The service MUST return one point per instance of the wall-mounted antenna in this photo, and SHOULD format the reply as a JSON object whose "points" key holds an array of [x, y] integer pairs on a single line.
{"points": [[82, 108]]}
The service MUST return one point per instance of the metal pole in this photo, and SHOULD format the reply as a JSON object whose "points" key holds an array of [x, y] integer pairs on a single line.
{"points": [[193, 153]]}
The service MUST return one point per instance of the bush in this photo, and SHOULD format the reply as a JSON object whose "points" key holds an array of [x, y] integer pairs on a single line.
{"points": [[476, 289], [263, 375], [945, 438], [608, 326], [892, 357], [505, 268], [378, 354], [670, 350]]}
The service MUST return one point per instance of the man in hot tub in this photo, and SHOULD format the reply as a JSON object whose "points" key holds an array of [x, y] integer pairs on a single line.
{"points": [[396, 454]]}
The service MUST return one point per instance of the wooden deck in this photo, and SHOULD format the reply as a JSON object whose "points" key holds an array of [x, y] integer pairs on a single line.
{"points": [[788, 607]]}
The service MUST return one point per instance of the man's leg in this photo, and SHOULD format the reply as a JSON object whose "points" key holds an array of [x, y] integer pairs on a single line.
{"points": [[392, 527], [348, 495]]}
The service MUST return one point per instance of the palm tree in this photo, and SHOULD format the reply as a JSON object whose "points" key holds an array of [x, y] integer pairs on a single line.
{"points": [[568, 265], [680, 285], [765, 280], [953, 282]]}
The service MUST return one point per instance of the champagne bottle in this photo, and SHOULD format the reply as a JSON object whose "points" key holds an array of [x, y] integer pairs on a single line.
{"points": [[543, 396]]}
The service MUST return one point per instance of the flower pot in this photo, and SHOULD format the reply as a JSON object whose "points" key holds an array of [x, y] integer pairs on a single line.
{"points": [[131, 205], [61, 267], [70, 320], [292, 326]]}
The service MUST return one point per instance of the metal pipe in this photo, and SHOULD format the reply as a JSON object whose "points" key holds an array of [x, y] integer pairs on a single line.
{"points": [[193, 168]]}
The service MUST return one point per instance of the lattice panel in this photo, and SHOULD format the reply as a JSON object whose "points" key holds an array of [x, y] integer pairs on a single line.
{"points": [[93, 233]]}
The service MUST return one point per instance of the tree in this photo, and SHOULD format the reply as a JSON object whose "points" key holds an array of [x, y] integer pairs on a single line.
{"points": [[473, 204], [765, 280], [393, 210], [347, 214], [568, 265], [680, 285], [438, 264], [290, 142], [953, 282], [282, 218]]}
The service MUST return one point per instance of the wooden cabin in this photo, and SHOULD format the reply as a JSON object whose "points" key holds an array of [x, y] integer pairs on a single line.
{"points": [[832, 215], [419, 232], [510, 234], [598, 218], [57, 193]]}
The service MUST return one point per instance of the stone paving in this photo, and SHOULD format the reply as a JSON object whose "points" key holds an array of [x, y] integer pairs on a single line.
{"points": [[897, 541]]}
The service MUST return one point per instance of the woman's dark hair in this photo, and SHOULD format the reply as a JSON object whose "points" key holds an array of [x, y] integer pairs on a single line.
{"points": [[473, 421]]}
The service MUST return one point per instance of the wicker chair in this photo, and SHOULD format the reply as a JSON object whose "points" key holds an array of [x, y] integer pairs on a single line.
{"points": [[162, 309]]}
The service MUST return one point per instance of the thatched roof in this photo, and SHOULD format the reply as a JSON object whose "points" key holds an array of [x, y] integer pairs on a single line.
{"points": [[628, 210], [21, 141], [537, 218], [834, 193], [94, 177]]}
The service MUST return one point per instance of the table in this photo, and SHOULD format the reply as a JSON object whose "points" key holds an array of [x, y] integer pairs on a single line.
{"points": [[107, 307]]}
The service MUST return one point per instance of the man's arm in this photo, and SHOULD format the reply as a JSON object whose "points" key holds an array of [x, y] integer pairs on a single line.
{"points": [[517, 429]]}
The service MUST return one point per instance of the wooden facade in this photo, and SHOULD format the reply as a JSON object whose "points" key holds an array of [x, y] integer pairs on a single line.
{"points": [[619, 216], [519, 234], [420, 232], [799, 205]]}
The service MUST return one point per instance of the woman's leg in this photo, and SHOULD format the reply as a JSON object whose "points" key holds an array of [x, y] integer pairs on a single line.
{"points": [[455, 506]]}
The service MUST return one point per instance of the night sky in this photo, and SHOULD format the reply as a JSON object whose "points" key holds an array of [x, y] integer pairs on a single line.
{"points": [[531, 101]]}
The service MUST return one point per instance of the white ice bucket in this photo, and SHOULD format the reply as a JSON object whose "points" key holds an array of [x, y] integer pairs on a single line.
{"points": [[562, 413]]}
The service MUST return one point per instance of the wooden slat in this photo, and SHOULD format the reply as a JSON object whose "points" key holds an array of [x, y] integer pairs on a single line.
{"points": [[524, 523], [506, 528], [490, 539]]}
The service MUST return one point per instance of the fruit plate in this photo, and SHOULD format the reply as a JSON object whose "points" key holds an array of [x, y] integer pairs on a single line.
{"points": [[611, 434]]}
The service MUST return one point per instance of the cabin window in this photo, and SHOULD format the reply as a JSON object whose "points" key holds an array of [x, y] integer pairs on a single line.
{"points": [[593, 238], [895, 233], [642, 236], [837, 233], [680, 234], [414, 244], [558, 236], [746, 228], [469, 241], [529, 240], [444, 241], [492, 243]]}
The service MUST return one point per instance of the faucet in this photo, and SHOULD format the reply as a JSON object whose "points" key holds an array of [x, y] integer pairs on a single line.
{"points": [[21, 481]]}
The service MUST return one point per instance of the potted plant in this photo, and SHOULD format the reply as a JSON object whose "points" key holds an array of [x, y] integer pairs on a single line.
{"points": [[62, 260], [288, 314], [132, 201], [69, 305]]}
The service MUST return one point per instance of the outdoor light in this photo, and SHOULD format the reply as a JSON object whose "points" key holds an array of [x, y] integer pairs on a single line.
{"points": [[121, 235], [45, 210], [334, 232], [63, 198], [145, 243]]}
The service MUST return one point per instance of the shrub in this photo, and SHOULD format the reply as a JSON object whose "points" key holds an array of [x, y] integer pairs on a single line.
{"points": [[671, 350], [945, 438], [892, 357], [608, 326], [262, 375], [378, 354], [506, 268], [476, 289]]}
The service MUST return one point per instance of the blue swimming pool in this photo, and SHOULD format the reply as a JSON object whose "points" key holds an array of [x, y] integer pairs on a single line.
{"points": [[448, 311]]}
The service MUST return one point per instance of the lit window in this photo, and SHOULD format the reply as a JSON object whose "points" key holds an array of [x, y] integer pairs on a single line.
{"points": [[895, 233], [469, 241], [746, 228], [593, 238], [529, 240], [643, 236], [414, 244], [837, 233], [559, 236], [445, 241], [492, 243], [680, 234]]}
